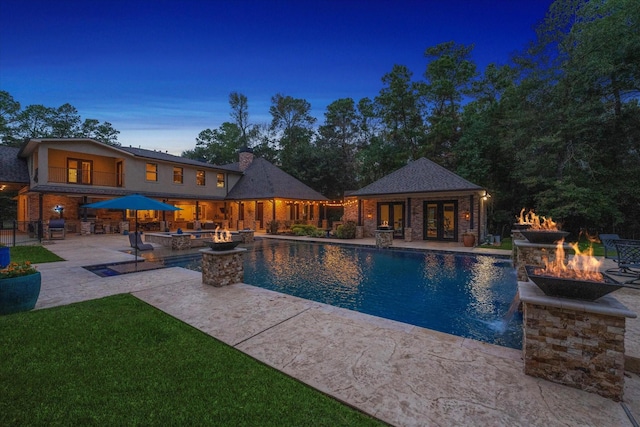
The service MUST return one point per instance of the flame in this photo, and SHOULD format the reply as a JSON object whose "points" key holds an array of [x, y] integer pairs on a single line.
{"points": [[221, 236], [536, 222], [583, 265]]}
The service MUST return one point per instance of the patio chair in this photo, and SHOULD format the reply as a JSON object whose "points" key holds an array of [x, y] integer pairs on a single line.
{"points": [[135, 240], [609, 246], [629, 259]]}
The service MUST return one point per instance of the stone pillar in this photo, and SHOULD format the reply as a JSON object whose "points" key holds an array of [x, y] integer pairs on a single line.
{"points": [[407, 234], [246, 236], [526, 253], [85, 228], [359, 232], [124, 227], [222, 268], [384, 238], [180, 241], [575, 343]]}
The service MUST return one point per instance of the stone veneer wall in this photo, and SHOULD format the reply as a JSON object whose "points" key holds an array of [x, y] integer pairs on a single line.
{"points": [[180, 241], [579, 349], [222, 268], [384, 238]]}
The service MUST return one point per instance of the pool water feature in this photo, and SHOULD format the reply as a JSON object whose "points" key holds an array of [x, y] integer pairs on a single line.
{"points": [[465, 295]]}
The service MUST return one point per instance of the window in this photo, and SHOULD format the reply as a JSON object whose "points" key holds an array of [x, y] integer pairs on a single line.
{"points": [[177, 175], [200, 178], [152, 172], [220, 180], [119, 174], [79, 171]]}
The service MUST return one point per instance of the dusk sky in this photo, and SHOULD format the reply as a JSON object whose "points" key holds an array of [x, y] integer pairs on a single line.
{"points": [[161, 71]]}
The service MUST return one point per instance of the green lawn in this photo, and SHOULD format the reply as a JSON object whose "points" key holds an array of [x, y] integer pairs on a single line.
{"points": [[35, 254], [119, 361]]}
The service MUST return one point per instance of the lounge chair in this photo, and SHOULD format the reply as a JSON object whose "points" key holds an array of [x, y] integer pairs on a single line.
{"points": [[135, 240]]}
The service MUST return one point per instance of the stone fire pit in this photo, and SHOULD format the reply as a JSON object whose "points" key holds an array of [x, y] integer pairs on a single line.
{"points": [[587, 290], [223, 246], [544, 236]]}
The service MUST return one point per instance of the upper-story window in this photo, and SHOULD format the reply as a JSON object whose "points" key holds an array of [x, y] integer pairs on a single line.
{"points": [[79, 171], [200, 177], [220, 183], [177, 175], [152, 172]]}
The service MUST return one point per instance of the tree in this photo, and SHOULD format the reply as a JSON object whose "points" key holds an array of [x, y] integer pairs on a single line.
{"points": [[240, 114], [398, 106], [449, 74], [65, 122], [292, 120], [336, 144], [9, 109]]}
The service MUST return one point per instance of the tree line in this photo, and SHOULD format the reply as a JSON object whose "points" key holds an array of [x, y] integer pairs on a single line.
{"points": [[556, 129], [38, 121]]}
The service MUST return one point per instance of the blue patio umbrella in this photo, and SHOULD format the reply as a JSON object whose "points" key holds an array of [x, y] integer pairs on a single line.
{"points": [[135, 202]]}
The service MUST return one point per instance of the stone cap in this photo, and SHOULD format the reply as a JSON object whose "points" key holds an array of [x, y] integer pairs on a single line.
{"points": [[606, 305]]}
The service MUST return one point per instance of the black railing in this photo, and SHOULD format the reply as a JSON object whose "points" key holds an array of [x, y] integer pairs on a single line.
{"points": [[14, 233]]}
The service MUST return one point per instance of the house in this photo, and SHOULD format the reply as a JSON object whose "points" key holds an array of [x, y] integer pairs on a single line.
{"points": [[420, 201], [56, 177]]}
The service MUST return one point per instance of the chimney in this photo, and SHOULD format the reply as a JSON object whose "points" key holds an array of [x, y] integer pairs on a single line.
{"points": [[246, 157]]}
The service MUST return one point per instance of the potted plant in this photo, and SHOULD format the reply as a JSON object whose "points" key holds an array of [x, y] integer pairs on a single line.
{"points": [[19, 287], [468, 239]]}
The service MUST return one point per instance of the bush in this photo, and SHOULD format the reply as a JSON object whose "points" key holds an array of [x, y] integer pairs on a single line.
{"points": [[306, 230], [272, 227], [346, 230]]}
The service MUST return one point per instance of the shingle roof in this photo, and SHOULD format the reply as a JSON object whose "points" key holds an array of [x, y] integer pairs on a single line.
{"points": [[12, 168], [159, 155], [419, 176], [263, 180]]}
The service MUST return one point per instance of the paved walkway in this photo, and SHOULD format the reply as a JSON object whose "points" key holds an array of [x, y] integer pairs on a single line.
{"points": [[401, 374]]}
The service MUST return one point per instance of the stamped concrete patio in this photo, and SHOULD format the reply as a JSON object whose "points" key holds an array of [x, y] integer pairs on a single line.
{"points": [[401, 374]]}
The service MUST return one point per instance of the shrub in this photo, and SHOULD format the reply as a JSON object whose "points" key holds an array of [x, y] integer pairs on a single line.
{"points": [[346, 230], [272, 227], [306, 230]]}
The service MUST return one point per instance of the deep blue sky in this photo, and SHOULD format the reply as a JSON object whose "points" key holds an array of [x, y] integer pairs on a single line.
{"points": [[161, 71]]}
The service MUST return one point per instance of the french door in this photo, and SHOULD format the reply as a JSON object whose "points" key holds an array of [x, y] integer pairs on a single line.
{"points": [[441, 220], [392, 215]]}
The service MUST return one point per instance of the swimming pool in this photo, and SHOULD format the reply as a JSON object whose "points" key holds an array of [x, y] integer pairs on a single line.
{"points": [[460, 294]]}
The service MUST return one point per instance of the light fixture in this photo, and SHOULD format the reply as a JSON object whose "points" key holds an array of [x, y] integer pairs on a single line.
{"points": [[467, 215], [369, 216], [486, 195]]}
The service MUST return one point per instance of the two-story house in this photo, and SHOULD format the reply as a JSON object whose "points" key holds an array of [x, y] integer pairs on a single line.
{"points": [[57, 177]]}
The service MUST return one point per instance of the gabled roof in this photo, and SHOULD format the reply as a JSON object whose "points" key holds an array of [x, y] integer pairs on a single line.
{"points": [[263, 180], [419, 176], [12, 168]]}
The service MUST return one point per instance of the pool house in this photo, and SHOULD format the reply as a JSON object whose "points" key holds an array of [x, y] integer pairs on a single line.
{"points": [[420, 201]]}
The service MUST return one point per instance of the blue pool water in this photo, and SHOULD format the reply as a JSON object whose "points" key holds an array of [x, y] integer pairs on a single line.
{"points": [[464, 295]]}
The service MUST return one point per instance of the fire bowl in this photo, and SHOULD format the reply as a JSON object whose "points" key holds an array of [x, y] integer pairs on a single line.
{"points": [[518, 226], [543, 236], [563, 287], [223, 246]]}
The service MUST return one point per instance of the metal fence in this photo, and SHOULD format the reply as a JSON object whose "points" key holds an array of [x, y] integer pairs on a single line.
{"points": [[14, 233]]}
